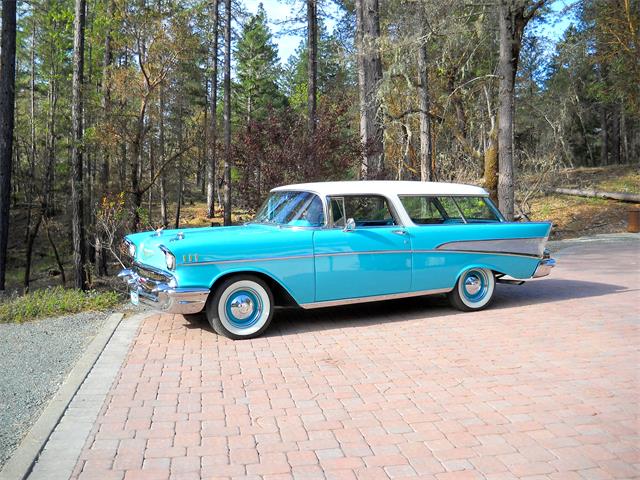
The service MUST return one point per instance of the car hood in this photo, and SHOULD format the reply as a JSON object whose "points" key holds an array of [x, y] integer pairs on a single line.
{"points": [[198, 244]]}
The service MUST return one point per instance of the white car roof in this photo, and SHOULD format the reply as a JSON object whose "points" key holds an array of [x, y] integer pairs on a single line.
{"points": [[385, 187]]}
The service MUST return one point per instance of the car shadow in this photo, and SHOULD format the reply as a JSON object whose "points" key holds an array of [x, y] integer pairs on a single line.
{"points": [[291, 321], [294, 320]]}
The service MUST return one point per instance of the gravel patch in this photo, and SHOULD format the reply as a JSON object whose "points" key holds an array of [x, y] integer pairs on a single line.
{"points": [[35, 358]]}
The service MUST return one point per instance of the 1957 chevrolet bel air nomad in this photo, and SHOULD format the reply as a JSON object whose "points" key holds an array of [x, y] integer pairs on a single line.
{"points": [[334, 243]]}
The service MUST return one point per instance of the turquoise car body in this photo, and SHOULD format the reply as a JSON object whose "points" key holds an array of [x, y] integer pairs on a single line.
{"points": [[323, 266]]}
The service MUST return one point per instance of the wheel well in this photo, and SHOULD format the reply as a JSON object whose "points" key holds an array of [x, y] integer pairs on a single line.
{"points": [[281, 297]]}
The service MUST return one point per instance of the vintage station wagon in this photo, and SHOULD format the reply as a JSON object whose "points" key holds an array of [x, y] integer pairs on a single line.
{"points": [[335, 243]]}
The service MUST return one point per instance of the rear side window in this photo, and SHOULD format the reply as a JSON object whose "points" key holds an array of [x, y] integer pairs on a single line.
{"points": [[449, 206], [426, 210], [475, 208], [423, 210], [366, 211]]}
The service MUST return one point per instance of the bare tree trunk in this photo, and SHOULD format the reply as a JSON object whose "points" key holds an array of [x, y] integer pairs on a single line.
{"points": [[135, 164], [227, 113], [32, 230], [507, 69], [32, 234], [55, 253], [107, 60], [47, 195], [213, 128], [152, 176], [163, 193], [103, 174], [491, 164], [362, 97], [615, 134], [32, 122], [514, 16], [426, 173], [312, 65], [371, 129], [7, 111], [77, 200], [625, 136], [179, 195], [604, 135]]}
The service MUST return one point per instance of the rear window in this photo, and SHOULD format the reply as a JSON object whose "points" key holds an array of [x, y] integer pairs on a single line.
{"points": [[429, 210]]}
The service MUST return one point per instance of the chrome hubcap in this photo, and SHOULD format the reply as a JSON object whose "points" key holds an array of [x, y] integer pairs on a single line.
{"points": [[242, 306], [472, 285]]}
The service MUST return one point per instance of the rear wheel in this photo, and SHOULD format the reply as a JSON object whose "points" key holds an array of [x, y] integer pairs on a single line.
{"points": [[474, 290], [241, 307]]}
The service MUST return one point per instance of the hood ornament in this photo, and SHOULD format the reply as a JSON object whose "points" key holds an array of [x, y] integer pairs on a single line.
{"points": [[159, 232]]}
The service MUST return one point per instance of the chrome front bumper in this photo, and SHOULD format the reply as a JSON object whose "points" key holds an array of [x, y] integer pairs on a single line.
{"points": [[544, 267], [159, 290]]}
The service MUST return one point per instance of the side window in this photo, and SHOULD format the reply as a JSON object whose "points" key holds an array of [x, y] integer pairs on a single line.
{"points": [[336, 208], [451, 210], [422, 210], [366, 210], [476, 208]]}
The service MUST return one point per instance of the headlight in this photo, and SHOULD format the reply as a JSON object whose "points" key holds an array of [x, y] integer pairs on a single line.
{"points": [[132, 250], [170, 258]]}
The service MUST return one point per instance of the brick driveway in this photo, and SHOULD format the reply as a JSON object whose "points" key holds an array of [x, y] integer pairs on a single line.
{"points": [[543, 385]]}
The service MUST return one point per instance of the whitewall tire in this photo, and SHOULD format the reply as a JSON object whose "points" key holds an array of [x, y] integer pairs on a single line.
{"points": [[474, 290], [241, 307]]}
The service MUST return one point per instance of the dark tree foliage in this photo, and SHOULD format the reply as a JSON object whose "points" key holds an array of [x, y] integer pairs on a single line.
{"points": [[279, 149]]}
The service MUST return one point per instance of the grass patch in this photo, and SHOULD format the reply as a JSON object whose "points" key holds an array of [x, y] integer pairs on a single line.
{"points": [[629, 183], [55, 301]]}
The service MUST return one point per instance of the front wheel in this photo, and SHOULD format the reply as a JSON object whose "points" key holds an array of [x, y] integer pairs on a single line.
{"points": [[474, 290], [241, 307]]}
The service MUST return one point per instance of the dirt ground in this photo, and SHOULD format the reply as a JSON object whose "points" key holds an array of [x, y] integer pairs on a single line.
{"points": [[579, 216]]}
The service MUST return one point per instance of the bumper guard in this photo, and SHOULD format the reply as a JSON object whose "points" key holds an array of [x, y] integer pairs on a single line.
{"points": [[544, 267], [158, 290]]}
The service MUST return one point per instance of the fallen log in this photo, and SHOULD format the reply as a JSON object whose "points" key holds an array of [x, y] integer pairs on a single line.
{"points": [[623, 197]]}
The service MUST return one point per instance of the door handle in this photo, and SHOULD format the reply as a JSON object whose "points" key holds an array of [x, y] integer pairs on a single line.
{"points": [[399, 232]]}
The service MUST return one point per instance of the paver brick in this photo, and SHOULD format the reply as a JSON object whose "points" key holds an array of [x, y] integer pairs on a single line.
{"points": [[542, 385]]}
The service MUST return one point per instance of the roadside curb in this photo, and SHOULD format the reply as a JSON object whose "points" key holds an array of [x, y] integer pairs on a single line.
{"points": [[557, 247], [21, 463]]}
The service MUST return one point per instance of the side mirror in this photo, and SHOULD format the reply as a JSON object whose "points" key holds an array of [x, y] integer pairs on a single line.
{"points": [[350, 226]]}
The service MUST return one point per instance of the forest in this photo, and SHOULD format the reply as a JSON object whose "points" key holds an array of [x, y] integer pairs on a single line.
{"points": [[121, 115]]}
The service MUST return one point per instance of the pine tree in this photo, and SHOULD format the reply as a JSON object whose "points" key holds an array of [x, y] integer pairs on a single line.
{"points": [[258, 70], [333, 71]]}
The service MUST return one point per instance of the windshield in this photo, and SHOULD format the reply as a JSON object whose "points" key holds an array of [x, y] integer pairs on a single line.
{"points": [[299, 209]]}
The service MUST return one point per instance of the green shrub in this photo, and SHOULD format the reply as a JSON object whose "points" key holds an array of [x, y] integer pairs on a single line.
{"points": [[55, 301]]}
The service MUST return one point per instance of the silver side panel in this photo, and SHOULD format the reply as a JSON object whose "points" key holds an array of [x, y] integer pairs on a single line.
{"points": [[376, 298], [533, 247]]}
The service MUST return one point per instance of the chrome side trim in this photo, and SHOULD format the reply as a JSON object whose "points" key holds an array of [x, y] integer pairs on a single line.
{"points": [[544, 268], [244, 260], [373, 298], [369, 252], [533, 247], [480, 252]]}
